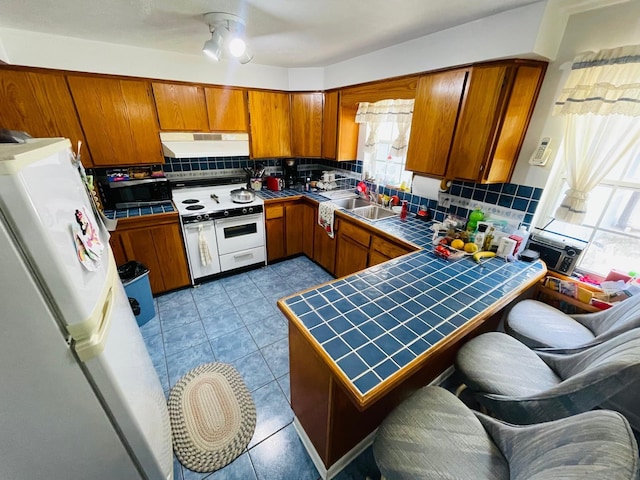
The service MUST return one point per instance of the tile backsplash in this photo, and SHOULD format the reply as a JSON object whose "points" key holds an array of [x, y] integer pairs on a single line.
{"points": [[522, 200]]}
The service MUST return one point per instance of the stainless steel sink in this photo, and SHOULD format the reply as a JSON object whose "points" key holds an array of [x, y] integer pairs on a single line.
{"points": [[372, 212], [351, 203]]}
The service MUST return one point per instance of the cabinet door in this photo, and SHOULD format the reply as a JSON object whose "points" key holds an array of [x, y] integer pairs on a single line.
{"points": [[310, 219], [351, 256], [171, 255], [477, 122], [376, 258], [119, 120], [41, 105], [138, 245], [227, 109], [526, 86], [180, 107], [275, 231], [119, 255], [435, 112], [324, 248], [306, 124], [381, 248], [270, 125], [330, 125], [294, 227]]}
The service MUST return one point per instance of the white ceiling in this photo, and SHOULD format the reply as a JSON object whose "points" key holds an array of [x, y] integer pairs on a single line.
{"points": [[285, 33]]}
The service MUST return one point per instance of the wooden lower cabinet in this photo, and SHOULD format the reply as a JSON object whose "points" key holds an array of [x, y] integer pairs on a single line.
{"points": [[324, 249], [383, 250], [294, 228], [159, 246], [352, 250], [309, 220], [275, 231]]}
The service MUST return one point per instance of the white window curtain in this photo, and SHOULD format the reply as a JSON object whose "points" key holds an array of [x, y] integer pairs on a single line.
{"points": [[399, 112], [606, 83]]}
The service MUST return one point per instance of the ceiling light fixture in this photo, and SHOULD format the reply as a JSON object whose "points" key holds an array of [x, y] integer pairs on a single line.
{"points": [[227, 37]]}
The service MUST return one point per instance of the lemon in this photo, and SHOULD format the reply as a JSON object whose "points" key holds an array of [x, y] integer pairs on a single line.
{"points": [[470, 247], [457, 244]]}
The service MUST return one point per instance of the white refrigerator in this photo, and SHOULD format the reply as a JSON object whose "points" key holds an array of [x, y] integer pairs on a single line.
{"points": [[79, 397]]}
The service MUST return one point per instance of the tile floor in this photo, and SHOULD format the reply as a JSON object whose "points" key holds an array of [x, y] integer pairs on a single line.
{"points": [[235, 320]]}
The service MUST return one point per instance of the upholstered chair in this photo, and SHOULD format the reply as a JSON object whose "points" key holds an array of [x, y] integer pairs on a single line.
{"points": [[433, 435], [523, 386], [542, 326]]}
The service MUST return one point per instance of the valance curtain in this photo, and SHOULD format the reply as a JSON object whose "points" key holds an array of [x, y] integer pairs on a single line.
{"points": [[399, 112], [599, 97]]}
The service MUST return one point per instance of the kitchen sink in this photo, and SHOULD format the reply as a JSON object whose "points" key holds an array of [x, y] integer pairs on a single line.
{"points": [[372, 212], [351, 203]]}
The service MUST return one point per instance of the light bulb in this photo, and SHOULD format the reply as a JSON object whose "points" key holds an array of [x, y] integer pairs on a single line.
{"points": [[237, 47]]}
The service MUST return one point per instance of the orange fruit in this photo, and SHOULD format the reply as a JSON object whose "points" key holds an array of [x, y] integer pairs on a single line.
{"points": [[470, 247]]}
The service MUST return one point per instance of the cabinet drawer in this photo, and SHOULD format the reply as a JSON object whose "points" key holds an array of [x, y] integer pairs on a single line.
{"points": [[388, 249], [355, 233], [274, 211]]}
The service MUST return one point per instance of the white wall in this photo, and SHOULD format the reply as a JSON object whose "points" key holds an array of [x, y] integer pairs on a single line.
{"points": [[608, 27]]}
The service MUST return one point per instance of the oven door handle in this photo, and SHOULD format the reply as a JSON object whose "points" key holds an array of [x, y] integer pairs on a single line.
{"points": [[242, 219], [206, 223]]}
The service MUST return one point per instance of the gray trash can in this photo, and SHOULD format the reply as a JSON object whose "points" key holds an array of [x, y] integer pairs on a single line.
{"points": [[135, 278]]}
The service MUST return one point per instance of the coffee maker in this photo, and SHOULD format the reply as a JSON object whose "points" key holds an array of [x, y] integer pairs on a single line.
{"points": [[290, 171]]}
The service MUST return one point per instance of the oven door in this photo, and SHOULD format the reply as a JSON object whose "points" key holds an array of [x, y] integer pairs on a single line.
{"points": [[240, 233], [199, 238]]}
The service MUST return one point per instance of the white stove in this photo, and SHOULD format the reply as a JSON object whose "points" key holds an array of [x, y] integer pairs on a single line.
{"points": [[220, 234]]}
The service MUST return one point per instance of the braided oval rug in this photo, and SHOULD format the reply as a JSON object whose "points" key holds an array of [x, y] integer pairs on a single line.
{"points": [[212, 415]]}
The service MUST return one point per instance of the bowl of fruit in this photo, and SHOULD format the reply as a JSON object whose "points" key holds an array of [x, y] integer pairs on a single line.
{"points": [[454, 248]]}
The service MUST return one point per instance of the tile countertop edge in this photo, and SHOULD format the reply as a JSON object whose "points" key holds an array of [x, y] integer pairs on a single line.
{"points": [[364, 401]]}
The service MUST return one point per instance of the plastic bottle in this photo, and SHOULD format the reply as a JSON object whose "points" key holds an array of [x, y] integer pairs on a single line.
{"points": [[488, 240], [478, 238], [404, 211], [524, 234], [474, 217]]}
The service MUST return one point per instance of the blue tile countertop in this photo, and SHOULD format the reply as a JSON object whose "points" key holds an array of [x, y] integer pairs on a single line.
{"points": [[373, 324], [118, 213]]}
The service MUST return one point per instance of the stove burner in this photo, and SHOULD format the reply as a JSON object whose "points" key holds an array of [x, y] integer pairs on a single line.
{"points": [[190, 200], [195, 207]]}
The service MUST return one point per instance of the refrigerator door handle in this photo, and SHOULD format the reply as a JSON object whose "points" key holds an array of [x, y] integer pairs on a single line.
{"points": [[91, 343]]}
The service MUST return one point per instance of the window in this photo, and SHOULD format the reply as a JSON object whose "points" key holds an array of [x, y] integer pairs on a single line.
{"points": [[612, 221], [387, 124], [598, 175], [383, 163]]}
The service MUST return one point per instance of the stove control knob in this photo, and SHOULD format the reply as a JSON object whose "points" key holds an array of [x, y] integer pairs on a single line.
{"points": [[570, 252], [206, 216], [250, 209], [199, 217], [244, 211], [226, 213]]}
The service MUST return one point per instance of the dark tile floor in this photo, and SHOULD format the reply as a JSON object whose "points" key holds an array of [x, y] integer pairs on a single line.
{"points": [[235, 320]]}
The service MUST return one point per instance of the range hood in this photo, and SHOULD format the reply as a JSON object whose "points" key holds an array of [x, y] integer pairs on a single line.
{"points": [[199, 145]]}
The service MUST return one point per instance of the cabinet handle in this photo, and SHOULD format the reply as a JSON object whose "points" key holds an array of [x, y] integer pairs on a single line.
{"points": [[243, 255]]}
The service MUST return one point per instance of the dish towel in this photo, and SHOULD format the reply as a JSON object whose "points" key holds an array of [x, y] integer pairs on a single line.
{"points": [[325, 216], [205, 254]]}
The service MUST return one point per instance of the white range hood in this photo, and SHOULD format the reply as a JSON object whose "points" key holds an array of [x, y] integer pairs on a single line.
{"points": [[199, 145]]}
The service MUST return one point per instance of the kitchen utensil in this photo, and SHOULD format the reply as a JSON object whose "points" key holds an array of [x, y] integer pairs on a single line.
{"points": [[242, 195], [215, 197]]}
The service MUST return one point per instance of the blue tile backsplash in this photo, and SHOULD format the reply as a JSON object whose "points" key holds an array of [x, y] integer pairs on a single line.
{"points": [[521, 198]]}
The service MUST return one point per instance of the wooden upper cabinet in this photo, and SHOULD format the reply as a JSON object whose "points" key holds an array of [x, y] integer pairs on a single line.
{"points": [[493, 119], [477, 122], [526, 86], [180, 107], [306, 124], [435, 112], [330, 125], [41, 105], [226, 109], [119, 120], [270, 124]]}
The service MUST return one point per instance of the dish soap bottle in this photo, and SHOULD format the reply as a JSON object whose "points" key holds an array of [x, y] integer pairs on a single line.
{"points": [[404, 211], [475, 217]]}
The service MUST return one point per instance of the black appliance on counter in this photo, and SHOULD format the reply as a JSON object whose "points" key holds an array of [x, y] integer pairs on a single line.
{"points": [[290, 172], [133, 187]]}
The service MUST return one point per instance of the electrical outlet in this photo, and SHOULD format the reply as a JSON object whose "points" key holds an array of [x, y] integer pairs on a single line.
{"points": [[444, 200]]}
